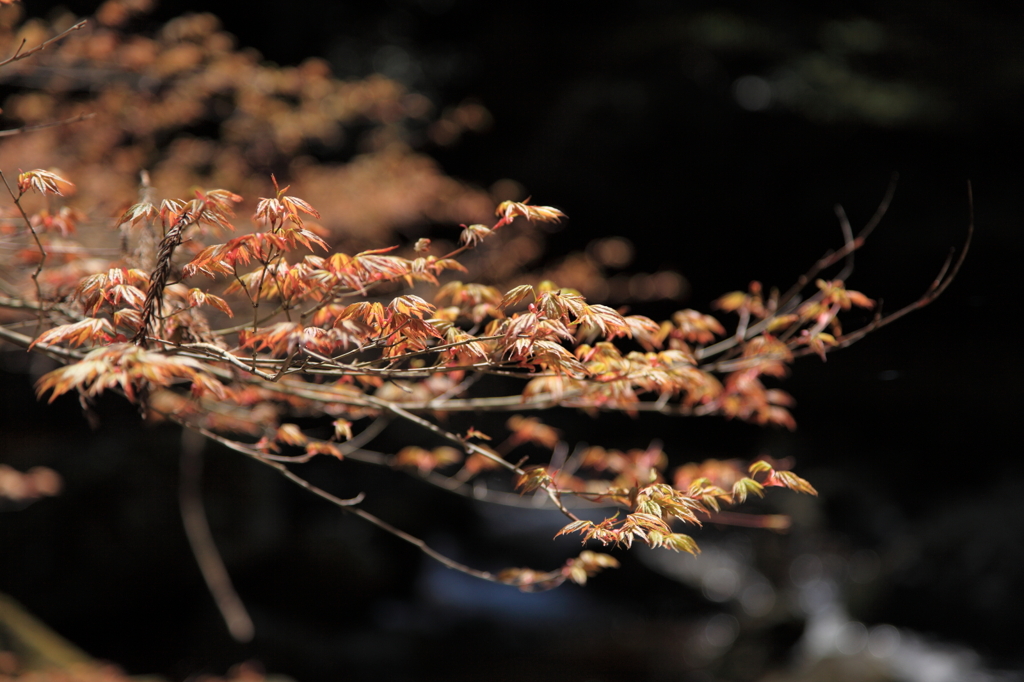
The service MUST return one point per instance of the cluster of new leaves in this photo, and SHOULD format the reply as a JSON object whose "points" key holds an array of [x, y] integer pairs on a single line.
{"points": [[237, 338], [354, 336]]}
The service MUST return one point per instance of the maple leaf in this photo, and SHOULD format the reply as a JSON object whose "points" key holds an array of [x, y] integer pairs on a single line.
{"points": [[111, 287], [531, 430], [298, 234], [275, 210], [142, 211], [737, 301], [131, 295], [64, 221], [575, 527], [531, 479], [123, 366], [734, 300], [410, 305], [127, 317], [290, 434], [282, 338], [205, 385], [819, 342], [561, 303], [220, 200], [680, 542], [198, 297], [44, 182], [790, 480], [587, 565], [427, 460], [468, 295], [222, 258], [549, 355], [508, 210], [516, 295], [214, 207], [472, 235], [695, 326], [88, 330], [601, 320], [836, 292], [744, 487], [342, 429], [171, 211], [367, 267], [473, 433], [370, 314], [466, 352]]}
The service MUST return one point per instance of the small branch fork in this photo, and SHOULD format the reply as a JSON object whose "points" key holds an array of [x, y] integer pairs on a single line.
{"points": [[947, 273], [19, 54], [348, 505], [552, 493], [851, 244]]}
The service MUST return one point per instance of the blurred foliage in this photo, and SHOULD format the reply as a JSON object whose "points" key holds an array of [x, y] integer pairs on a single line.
{"points": [[192, 109]]}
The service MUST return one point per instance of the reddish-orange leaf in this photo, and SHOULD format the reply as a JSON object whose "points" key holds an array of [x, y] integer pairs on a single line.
{"points": [[508, 210], [44, 182], [290, 434], [90, 330]]}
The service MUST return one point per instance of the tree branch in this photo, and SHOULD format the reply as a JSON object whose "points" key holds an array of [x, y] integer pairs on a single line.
{"points": [[197, 529], [19, 55], [41, 126]]}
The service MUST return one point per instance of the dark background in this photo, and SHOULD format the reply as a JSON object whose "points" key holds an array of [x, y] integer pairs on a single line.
{"points": [[718, 139]]}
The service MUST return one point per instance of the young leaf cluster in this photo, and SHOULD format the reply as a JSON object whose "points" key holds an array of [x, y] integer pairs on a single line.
{"points": [[244, 338]]}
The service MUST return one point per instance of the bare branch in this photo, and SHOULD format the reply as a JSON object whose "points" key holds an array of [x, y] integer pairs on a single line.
{"points": [[347, 505], [158, 278], [42, 126], [947, 273], [197, 529], [39, 244], [848, 248], [788, 300], [19, 55]]}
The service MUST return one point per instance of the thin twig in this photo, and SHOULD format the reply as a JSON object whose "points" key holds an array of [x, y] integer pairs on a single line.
{"points": [[281, 468], [789, 299], [947, 273], [347, 505], [40, 126], [844, 225], [471, 447], [849, 247], [19, 55], [197, 529], [39, 245]]}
